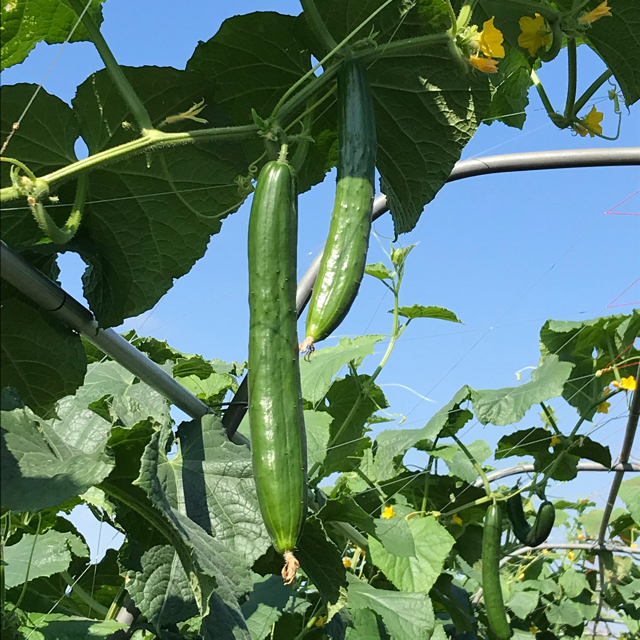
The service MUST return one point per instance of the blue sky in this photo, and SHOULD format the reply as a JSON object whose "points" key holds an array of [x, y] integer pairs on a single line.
{"points": [[504, 252]]}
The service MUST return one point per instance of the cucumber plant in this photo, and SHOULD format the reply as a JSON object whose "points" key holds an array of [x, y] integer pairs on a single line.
{"points": [[345, 252], [275, 398]]}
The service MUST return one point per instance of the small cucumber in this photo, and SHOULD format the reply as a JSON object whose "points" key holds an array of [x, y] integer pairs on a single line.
{"points": [[345, 253], [493, 602], [278, 440], [531, 536]]}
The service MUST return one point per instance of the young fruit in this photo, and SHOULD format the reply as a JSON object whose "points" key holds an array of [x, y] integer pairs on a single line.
{"points": [[493, 602], [275, 401], [345, 253], [531, 536]]}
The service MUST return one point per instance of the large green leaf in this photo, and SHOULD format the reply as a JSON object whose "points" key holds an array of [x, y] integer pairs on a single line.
{"points": [[211, 478], [39, 556], [53, 626], [161, 590], [25, 23], [321, 560], [41, 358], [590, 346], [630, 494], [267, 602], [407, 616], [392, 444], [44, 142], [419, 572], [616, 38], [171, 231], [317, 427], [46, 463], [316, 373], [508, 405], [351, 407]]}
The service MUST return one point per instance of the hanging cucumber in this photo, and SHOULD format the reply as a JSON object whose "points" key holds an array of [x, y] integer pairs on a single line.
{"points": [[493, 602], [345, 253], [275, 402], [531, 536]]}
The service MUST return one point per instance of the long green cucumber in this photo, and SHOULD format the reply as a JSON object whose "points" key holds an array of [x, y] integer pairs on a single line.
{"points": [[493, 602], [345, 252], [531, 536], [278, 440]]}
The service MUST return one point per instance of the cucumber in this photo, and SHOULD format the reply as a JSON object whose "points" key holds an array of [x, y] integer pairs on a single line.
{"points": [[493, 601], [278, 440], [531, 536], [345, 252]]}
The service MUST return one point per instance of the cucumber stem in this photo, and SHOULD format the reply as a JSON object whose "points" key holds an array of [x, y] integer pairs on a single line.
{"points": [[317, 25], [593, 87], [573, 79], [127, 92], [475, 463]]}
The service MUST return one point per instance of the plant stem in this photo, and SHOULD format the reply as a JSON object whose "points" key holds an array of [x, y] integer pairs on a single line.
{"points": [[22, 166], [427, 480], [452, 15], [543, 96], [475, 463], [372, 484], [317, 25], [573, 79], [84, 596], [113, 68], [33, 548], [550, 418], [588, 94], [402, 46]]}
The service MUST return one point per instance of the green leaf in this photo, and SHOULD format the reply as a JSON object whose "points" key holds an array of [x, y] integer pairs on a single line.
{"points": [[419, 311], [591, 522], [396, 536], [40, 146], [378, 270], [573, 583], [455, 601], [267, 602], [46, 463], [25, 23], [38, 556], [317, 426], [347, 510], [350, 406], [366, 626], [161, 590], [45, 626], [563, 613], [416, 573], [317, 373], [510, 96], [407, 616], [43, 359], [399, 256], [321, 560], [508, 406], [172, 232], [616, 39], [522, 603], [211, 390], [212, 479], [630, 494], [392, 444], [590, 346], [457, 461]]}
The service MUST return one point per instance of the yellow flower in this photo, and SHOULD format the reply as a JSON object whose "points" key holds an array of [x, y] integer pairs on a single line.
{"points": [[346, 562], [456, 519], [555, 441], [387, 513], [581, 536], [590, 124], [600, 11], [626, 383], [521, 576], [320, 621], [533, 629], [535, 33], [571, 555], [603, 407], [545, 552], [490, 40], [487, 65], [633, 545]]}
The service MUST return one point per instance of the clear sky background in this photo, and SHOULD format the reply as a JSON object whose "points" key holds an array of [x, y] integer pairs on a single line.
{"points": [[504, 252]]}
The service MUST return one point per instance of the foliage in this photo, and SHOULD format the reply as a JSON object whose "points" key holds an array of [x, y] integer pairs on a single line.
{"points": [[388, 551]]}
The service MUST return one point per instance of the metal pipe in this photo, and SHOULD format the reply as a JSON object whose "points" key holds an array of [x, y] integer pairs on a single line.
{"points": [[51, 297]]}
